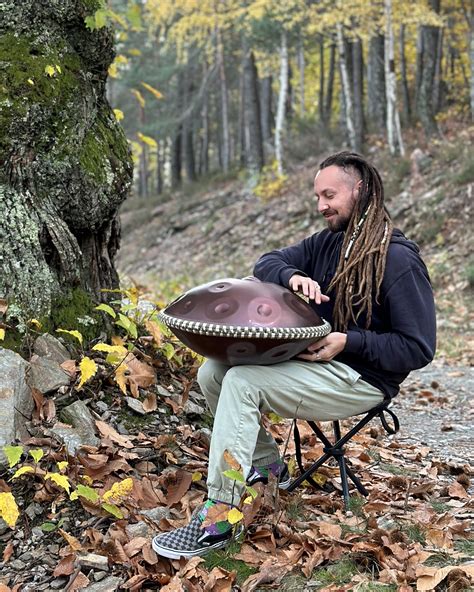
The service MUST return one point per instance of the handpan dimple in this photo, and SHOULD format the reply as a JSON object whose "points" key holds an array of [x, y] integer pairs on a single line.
{"points": [[264, 311], [222, 308], [244, 321]]}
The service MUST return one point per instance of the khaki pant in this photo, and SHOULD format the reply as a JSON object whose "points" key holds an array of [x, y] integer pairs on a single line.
{"points": [[237, 396]]}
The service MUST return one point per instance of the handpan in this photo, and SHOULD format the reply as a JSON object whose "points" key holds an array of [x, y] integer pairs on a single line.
{"points": [[244, 321]]}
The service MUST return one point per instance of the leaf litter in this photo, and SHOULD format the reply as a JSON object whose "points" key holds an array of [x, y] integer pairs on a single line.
{"points": [[412, 532]]}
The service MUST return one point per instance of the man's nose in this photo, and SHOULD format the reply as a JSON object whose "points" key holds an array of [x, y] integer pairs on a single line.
{"points": [[322, 206]]}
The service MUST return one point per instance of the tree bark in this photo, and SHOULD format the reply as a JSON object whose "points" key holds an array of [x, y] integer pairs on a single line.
{"points": [[394, 133], [266, 108], [358, 86], [280, 118], [301, 68], [404, 79], [425, 105], [330, 84], [224, 103], [376, 83], [176, 161], [471, 56], [65, 163], [321, 81], [252, 123], [346, 90]]}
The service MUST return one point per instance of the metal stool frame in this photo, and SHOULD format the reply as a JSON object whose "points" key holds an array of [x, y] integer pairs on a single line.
{"points": [[336, 449]]}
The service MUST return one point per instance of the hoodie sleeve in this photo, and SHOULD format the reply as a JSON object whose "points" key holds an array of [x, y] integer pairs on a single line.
{"points": [[278, 266], [410, 342]]}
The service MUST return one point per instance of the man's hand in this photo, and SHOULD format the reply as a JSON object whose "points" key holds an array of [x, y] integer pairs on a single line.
{"points": [[326, 348], [308, 287]]}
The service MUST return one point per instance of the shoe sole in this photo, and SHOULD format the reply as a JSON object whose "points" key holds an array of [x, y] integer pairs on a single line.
{"points": [[173, 554]]}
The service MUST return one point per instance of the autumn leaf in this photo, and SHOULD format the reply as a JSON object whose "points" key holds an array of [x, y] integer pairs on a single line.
{"points": [[60, 480], [119, 491], [8, 508], [88, 369], [120, 377], [118, 116], [22, 471], [138, 95], [234, 516], [50, 70], [13, 454], [2, 334], [234, 475], [76, 334], [71, 540], [232, 461], [86, 492], [105, 307], [112, 509], [147, 140], [108, 432], [36, 454], [156, 93], [217, 513]]}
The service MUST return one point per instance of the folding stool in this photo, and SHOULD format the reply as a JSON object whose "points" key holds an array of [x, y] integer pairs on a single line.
{"points": [[336, 449]]}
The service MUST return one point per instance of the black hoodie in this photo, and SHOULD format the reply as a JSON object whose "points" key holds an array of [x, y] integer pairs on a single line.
{"points": [[402, 333]]}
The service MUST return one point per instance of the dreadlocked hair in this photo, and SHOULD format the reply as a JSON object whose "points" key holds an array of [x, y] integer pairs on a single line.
{"points": [[361, 265]]}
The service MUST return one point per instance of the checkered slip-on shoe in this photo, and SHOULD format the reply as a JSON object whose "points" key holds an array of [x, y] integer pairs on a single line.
{"points": [[260, 475], [191, 540]]}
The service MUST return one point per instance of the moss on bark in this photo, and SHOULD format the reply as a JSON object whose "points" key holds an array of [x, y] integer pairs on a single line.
{"points": [[65, 162]]}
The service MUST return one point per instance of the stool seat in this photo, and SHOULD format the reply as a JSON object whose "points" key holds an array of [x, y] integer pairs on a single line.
{"points": [[336, 449]]}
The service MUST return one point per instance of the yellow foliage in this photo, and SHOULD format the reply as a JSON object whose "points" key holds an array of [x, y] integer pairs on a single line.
{"points": [[22, 471], [156, 93], [74, 333], [119, 491], [234, 516], [60, 480], [2, 334], [271, 183], [88, 369], [147, 140], [138, 95], [8, 508]]}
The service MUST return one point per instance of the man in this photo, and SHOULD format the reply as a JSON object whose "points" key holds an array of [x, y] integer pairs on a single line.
{"points": [[370, 283]]}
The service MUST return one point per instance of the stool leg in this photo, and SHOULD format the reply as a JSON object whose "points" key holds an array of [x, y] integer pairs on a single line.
{"points": [[345, 485]]}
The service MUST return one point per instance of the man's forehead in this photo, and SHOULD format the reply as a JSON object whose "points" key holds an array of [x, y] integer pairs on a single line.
{"points": [[334, 174]]}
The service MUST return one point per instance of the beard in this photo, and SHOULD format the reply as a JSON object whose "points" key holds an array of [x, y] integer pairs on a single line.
{"points": [[338, 223]]}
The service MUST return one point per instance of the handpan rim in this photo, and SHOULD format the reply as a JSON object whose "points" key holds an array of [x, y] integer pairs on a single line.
{"points": [[255, 332]]}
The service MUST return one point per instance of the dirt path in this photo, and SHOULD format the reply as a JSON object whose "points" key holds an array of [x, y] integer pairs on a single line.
{"points": [[436, 408]]}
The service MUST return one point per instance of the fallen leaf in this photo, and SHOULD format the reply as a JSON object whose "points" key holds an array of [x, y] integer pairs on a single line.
{"points": [[7, 552], [430, 577], [456, 490], [175, 585], [181, 482], [329, 529], [80, 581], [108, 432], [71, 540], [149, 403], [220, 580], [69, 366], [65, 567], [231, 461], [217, 513], [271, 572]]}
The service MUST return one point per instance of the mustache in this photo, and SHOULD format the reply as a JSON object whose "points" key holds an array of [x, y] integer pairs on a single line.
{"points": [[329, 213]]}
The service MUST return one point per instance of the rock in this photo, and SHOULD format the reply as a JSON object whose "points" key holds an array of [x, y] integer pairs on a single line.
{"points": [[78, 415], [16, 401], [135, 405], [73, 438], [157, 514], [140, 529], [193, 408], [47, 346], [94, 561], [47, 375], [109, 584], [162, 391], [58, 583]]}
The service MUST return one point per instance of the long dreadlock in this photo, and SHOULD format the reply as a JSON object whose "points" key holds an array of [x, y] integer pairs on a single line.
{"points": [[361, 265]]}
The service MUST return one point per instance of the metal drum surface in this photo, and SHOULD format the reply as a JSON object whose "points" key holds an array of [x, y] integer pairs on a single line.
{"points": [[244, 321]]}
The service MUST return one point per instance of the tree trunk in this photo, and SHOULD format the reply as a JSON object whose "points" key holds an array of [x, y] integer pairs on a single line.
{"points": [[438, 82], [346, 90], [143, 162], [65, 163], [301, 67], [321, 81], [358, 86], [404, 79], [159, 168], [224, 103], [241, 114], [204, 152], [266, 110], [425, 106], [376, 83], [471, 56], [394, 132], [252, 124], [176, 162], [280, 118], [330, 85]]}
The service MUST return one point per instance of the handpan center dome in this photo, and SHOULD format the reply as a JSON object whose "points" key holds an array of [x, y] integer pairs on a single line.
{"points": [[244, 321]]}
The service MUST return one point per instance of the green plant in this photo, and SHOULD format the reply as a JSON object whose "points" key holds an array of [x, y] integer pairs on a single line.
{"points": [[225, 560], [336, 573]]}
